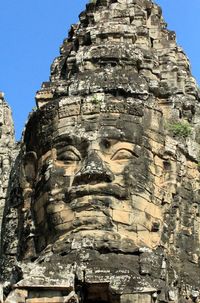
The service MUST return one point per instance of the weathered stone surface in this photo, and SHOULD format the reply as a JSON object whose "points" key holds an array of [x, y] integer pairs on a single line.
{"points": [[7, 149], [105, 203]]}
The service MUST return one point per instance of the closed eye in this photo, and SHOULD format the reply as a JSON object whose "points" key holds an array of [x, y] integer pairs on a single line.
{"points": [[69, 155], [123, 154]]}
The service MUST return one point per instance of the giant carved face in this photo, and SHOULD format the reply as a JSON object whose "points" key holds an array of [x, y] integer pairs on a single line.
{"points": [[100, 178]]}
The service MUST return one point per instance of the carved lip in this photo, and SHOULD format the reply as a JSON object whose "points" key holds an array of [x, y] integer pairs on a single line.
{"points": [[113, 190]]}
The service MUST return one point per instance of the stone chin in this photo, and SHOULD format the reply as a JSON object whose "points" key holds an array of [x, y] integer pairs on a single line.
{"points": [[87, 236], [104, 220]]}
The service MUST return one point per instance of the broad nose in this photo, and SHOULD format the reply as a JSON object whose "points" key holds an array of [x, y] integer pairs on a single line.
{"points": [[93, 171]]}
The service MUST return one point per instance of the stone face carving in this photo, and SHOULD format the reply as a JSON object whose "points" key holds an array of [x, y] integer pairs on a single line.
{"points": [[105, 205], [93, 180]]}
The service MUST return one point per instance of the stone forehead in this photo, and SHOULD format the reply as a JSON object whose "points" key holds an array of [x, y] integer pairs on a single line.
{"points": [[97, 108], [98, 103], [91, 118], [78, 112]]}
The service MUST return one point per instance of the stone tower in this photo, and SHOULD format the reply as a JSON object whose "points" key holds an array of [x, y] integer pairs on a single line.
{"points": [[106, 195], [7, 146]]}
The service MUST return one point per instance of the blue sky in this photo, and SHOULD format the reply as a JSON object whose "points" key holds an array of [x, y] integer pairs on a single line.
{"points": [[31, 33]]}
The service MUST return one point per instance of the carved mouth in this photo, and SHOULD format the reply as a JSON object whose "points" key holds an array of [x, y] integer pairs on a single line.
{"points": [[111, 190]]}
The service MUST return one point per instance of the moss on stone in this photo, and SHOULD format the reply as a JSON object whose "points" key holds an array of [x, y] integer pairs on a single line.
{"points": [[181, 129]]}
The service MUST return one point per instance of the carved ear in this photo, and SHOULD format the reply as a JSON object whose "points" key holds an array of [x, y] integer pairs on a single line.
{"points": [[30, 166]]}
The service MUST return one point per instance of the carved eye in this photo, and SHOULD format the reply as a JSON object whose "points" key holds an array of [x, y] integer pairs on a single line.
{"points": [[122, 154], [68, 156]]}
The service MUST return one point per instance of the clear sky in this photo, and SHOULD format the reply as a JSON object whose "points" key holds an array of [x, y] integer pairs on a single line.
{"points": [[32, 31]]}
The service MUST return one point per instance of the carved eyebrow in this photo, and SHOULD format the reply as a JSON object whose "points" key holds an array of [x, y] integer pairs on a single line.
{"points": [[124, 149], [68, 148], [64, 141], [111, 144], [113, 141]]}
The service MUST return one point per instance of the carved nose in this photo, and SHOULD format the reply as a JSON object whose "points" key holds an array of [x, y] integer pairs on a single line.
{"points": [[94, 171]]}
